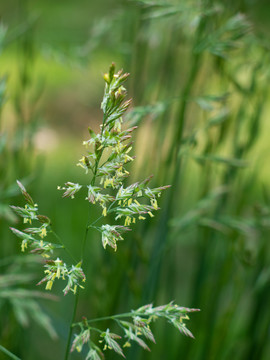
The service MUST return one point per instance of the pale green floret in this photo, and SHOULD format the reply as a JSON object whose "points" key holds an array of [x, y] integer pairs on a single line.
{"points": [[110, 236], [70, 189]]}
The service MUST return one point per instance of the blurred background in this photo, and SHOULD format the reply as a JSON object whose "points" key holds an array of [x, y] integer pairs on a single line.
{"points": [[199, 83]]}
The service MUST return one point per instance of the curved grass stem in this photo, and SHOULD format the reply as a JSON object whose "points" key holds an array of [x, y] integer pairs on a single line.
{"points": [[82, 258], [76, 301], [70, 327], [64, 247]]}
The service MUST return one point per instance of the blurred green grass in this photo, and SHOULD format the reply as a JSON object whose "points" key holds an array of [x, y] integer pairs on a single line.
{"points": [[213, 256]]}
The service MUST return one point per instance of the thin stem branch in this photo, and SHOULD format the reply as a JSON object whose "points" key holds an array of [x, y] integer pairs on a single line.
{"points": [[77, 295], [99, 218], [96, 329], [82, 254], [94, 169], [11, 355], [64, 247], [70, 327], [112, 317]]}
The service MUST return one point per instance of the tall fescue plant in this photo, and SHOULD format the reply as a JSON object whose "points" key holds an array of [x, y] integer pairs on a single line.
{"points": [[108, 154]]}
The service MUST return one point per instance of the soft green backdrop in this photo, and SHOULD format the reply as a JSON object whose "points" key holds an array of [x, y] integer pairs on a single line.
{"points": [[199, 83]]}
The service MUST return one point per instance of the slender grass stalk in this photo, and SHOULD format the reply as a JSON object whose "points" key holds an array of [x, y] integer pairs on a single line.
{"points": [[64, 246], [112, 317], [8, 353], [83, 249], [67, 352]]}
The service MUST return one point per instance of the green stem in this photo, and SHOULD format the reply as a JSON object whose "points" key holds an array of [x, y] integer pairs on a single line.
{"points": [[5, 351], [112, 317], [70, 327], [76, 296], [105, 116], [64, 247], [96, 329], [85, 237], [82, 253], [99, 218]]}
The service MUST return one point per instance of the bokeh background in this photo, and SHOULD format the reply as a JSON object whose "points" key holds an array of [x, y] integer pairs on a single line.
{"points": [[199, 83]]}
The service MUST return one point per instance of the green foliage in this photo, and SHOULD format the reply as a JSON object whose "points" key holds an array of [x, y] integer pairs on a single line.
{"points": [[226, 38], [137, 331], [20, 305], [106, 161], [199, 82], [16, 295]]}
